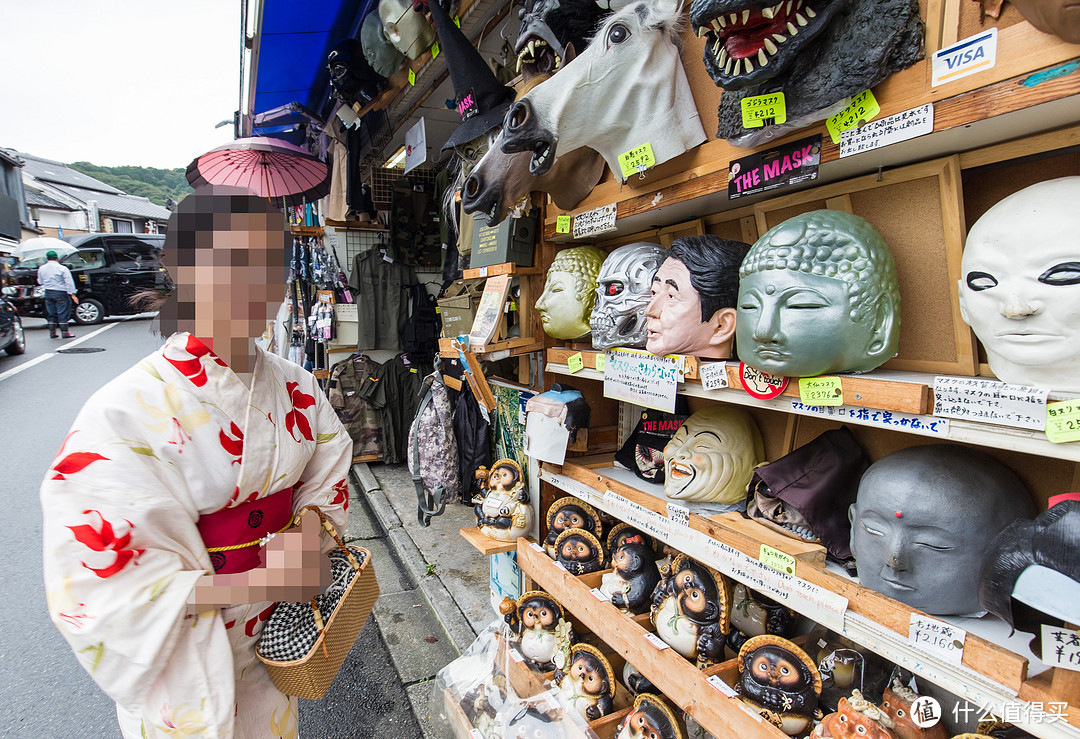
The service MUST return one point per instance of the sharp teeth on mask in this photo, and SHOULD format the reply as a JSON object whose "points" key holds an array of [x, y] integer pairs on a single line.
{"points": [[749, 65], [703, 30], [722, 58], [717, 48], [810, 12], [779, 38], [720, 22], [767, 13], [770, 46], [727, 67], [733, 18], [762, 60], [800, 20], [790, 4], [532, 49], [558, 61], [791, 29], [745, 16], [518, 65]]}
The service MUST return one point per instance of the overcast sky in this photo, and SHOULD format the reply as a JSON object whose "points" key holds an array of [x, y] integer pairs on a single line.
{"points": [[116, 82]]}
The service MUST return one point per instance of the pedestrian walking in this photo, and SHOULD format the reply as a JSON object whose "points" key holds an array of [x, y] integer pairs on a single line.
{"points": [[59, 294]]}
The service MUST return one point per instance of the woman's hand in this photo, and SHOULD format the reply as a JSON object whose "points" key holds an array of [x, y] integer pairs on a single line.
{"points": [[294, 571]]}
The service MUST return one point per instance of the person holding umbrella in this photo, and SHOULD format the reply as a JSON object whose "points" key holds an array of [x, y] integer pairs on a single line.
{"points": [[59, 294]]}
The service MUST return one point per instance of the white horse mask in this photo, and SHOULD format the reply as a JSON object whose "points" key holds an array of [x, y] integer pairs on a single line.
{"points": [[633, 66]]}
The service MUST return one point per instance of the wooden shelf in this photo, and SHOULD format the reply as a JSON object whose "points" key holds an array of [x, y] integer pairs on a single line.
{"points": [[307, 230], [485, 544], [515, 346], [966, 432], [991, 674], [506, 268]]}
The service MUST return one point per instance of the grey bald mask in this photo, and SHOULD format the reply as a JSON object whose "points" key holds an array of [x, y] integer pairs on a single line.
{"points": [[623, 292]]}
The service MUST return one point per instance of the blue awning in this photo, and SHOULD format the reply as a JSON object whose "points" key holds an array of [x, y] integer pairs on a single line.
{"points": [[294, 41]]}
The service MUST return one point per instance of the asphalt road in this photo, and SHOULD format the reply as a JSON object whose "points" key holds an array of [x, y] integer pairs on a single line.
{"points": [[44, 692]]}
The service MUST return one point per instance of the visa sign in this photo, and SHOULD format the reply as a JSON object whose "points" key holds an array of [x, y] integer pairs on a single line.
{"points": [[974, 54]]}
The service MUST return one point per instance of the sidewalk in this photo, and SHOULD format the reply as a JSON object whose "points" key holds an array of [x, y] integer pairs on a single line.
{"points": [[433, 584]]}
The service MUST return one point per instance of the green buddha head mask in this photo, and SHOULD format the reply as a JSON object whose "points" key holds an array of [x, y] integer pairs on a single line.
{"points": [[570, 291], [818, 294]]}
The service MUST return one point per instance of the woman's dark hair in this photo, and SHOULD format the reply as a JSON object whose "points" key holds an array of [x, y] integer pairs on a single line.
{"points": [[713, 263]]}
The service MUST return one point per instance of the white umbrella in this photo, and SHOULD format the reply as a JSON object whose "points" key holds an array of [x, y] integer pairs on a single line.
{"points": [[38, 247]]}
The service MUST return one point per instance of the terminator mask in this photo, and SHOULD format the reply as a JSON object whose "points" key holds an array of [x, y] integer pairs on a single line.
{"points": [[712, 457], [409, 32], [623, 293]]}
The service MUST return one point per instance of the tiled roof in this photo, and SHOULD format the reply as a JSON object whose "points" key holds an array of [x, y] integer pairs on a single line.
{"points": [[48, 170], [38, 199], [125, 205]]}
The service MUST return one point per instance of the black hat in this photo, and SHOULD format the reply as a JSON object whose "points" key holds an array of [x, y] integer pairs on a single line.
{"points": [[481, 100]]}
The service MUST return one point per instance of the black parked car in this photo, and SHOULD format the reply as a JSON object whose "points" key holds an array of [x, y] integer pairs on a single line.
{"points": [[12, 339], [108, 269]]}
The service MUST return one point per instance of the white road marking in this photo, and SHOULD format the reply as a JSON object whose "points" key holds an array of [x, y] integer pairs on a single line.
{"points": [[38, 360]]}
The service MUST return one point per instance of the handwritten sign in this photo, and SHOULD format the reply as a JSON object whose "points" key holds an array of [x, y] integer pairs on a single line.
{"points": [[562, 224], [601, 363], [940, 639], [637, 160], [889, 130], [990, 401], [1061, 647], [761, 385], [597, 221], [1063, 421], [757, 109], [974, 54], [776, 559], [412, 77], [862, 109], [782, 166], [821, 391], [641, 378], [679, 515], [924, 425], [575, 362], [713, 375]]}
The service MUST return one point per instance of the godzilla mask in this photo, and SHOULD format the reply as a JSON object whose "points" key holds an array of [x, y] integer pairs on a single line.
{"points": [[817, 52]]}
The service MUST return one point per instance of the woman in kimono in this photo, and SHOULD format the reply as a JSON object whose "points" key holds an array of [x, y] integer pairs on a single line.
{"points": [[158, 506]]}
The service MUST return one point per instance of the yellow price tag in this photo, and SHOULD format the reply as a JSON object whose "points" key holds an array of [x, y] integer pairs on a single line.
{"points": [[438, 309], [863, 109], [457, 21], [575, 362], [601, 362], [756, 109], [821, 391], [1063, 421], [435, 51], [513, 305], [412, 77], [562, 224], [776, 559], [636, 160]]}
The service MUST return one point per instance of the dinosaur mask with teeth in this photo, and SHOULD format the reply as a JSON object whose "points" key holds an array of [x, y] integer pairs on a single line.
{"points": [[817, 52]]}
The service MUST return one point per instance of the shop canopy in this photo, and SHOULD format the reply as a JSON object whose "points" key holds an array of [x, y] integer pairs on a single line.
{"points": [[293, 41]]}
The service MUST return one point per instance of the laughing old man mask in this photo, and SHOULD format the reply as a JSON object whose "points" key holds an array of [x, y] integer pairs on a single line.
{"points": [[712, 457], [818, 294], [1020, 285], [692, 310], [924, 520], [569, 293], [623, 291]]}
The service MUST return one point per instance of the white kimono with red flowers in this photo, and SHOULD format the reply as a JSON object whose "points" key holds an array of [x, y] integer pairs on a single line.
{"points": [[173, 438]]}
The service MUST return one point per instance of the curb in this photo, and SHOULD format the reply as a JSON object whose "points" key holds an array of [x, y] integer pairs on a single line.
{"points": [[438, 598]]}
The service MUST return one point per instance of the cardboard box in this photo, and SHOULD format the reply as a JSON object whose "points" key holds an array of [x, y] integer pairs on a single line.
{"points": [[458, 306], [511, 241]]}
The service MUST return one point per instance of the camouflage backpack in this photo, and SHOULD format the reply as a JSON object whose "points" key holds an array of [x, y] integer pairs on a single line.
{"points": [[433, 458]]}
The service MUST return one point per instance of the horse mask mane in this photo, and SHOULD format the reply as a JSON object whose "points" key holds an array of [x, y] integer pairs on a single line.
{"points": [[633, 61]]}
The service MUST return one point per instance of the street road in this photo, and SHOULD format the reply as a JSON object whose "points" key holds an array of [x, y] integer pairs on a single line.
{"points": [[44, 692]]}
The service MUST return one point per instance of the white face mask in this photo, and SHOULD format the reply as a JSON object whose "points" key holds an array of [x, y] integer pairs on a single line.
{"points": [[623, 292], [712, 457], [1019, 285], [409, 32]]}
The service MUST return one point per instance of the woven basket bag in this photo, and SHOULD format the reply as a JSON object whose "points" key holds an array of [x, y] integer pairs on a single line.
{"points": [[310, 676]]}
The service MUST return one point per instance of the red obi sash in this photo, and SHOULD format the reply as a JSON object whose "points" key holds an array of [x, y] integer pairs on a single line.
{"points": [[233, 535]]}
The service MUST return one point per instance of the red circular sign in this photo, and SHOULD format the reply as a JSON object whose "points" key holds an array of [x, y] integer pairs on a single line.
{"points": [[760, 384]]}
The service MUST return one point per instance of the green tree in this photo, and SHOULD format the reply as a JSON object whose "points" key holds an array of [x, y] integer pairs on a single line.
{"points": [[152, 183]]}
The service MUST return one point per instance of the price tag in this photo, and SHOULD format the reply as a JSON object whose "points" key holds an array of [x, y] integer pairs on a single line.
{"points": [[757, 108], [862, 109], [516, 655], [438, 310], [776, 559], [601, 363], [937, 637], [599, 594], [1063, 421], [482, 272], [1061, 647], [412, 77], [637, 160], [476, 734], [821, 391], [559, 564], [679, 515], [713, 375], [537, 547], [656, 641], [562, 224], [435, 51], [457, 21], [716, 682], [575, 362]]}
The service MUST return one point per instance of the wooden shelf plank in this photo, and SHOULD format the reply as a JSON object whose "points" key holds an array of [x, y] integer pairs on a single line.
{"points": [[865, 391], [506, 268], [485, 544]]}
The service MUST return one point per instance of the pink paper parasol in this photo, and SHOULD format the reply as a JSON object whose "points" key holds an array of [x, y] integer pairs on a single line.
{"points": [[267, 166]]}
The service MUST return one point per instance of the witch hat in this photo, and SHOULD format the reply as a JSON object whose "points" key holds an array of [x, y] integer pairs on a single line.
{"points": [[481, 100]]}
